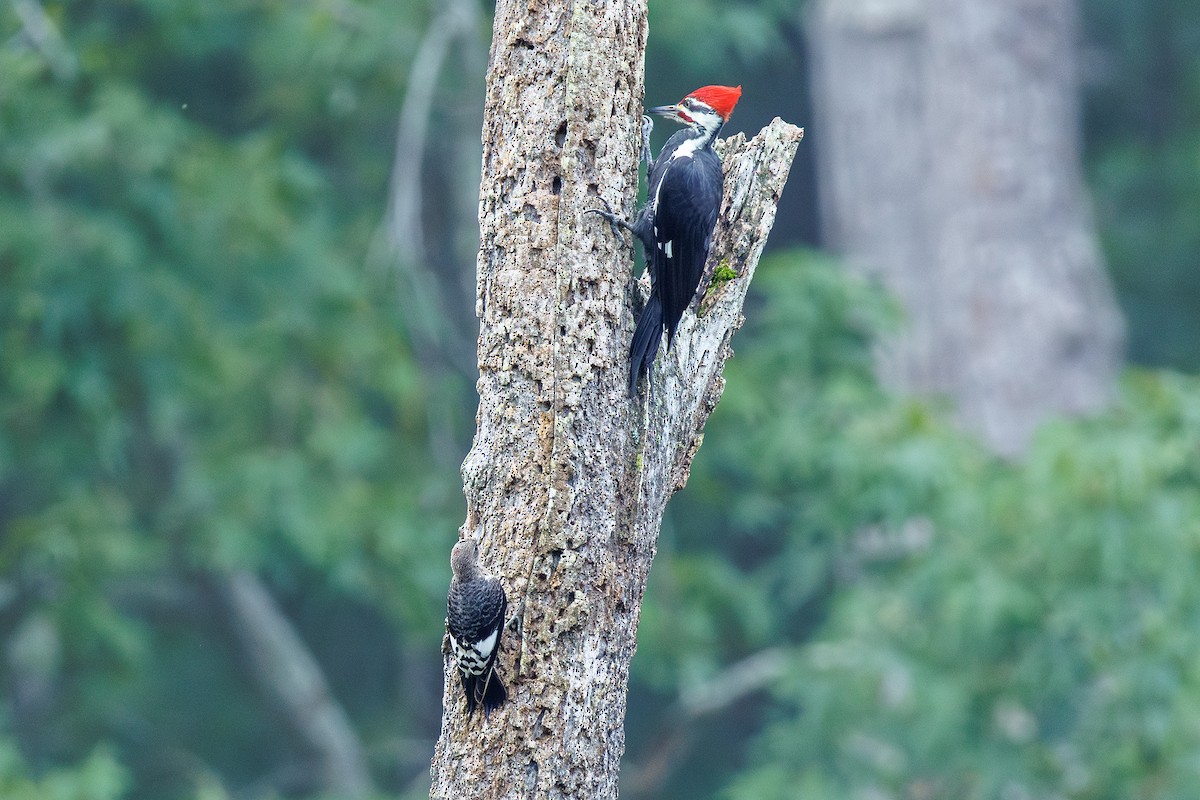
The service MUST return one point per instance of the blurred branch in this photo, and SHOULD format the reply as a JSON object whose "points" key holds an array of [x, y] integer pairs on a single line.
{"points": [[456, 19], [425, 307], [43, 35], [168, 754], [871, 544], [880, 544], [283, 667], [440, 337], [33, 665], [671, 745], [160, 599]]}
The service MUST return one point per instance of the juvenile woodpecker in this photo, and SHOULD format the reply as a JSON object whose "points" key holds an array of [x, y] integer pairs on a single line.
{"points": [[475, 611], [676, 224]]}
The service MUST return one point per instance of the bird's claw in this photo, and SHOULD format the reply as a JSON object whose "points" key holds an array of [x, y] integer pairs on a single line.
{"points": [[612, 218], [517, 619], [647, 127]]}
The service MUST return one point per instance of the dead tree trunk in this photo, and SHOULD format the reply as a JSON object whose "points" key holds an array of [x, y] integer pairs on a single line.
{"points": [[951, 169], [567, 479]]}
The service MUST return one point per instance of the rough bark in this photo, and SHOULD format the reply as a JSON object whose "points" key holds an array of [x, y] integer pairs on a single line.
{"points": [[567, 479], [951, 170]]}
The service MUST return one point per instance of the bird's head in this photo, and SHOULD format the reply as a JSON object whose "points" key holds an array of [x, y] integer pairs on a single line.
{"points": [[464, 559], [708, 107]]}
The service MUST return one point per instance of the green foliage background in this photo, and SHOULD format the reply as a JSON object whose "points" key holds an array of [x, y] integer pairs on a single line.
{"points": [[203, 368]]}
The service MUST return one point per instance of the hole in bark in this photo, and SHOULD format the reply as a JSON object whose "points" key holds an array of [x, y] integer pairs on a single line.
{"points": [[570, 598], [523, 44], [556, 185], [560, 136], [555, 557]]}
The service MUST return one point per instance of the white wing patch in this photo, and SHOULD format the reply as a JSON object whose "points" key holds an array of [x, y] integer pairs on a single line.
{"points": [[474, 657], [689, 147], [485, 647], [667, 250]]}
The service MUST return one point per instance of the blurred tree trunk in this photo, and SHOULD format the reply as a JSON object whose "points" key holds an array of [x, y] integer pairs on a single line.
{"points": [[950, 158], [567, 479]]}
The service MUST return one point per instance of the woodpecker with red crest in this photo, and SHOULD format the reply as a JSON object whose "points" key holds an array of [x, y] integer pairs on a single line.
{"points": [[475, 610], [676, 224]]}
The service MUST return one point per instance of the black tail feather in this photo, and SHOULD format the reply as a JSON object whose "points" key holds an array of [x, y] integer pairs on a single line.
{"points": [[491, 691], [646, 338], [484, 690], [468, 685]]}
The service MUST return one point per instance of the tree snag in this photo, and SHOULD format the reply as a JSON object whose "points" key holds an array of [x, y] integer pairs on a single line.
{"points": [[567, 479]]}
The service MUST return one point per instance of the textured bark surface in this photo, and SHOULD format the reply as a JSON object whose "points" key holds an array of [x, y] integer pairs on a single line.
{"points": [[951, 169], [567, 479]]}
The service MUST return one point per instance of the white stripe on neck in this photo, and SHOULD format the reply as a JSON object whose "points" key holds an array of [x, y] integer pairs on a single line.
{"points": [[688, 149]]}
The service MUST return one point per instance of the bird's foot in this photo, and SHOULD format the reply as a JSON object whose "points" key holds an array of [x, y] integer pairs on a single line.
{"points": [[517, 620], [614, 222], [647, 127]]}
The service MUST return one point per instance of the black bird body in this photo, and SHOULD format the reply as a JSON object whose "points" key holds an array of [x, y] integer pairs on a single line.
{"points": [[675, 225], [476, 608], [675, 228]]}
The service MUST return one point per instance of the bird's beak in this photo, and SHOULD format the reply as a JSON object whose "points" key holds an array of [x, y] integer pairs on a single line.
{"points": [[668, 111]]}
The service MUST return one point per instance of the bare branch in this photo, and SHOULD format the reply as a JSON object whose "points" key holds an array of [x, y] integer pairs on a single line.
{"points": [[751, 674], [456, 19], [426, 309], [285, 670], [44, 36]]}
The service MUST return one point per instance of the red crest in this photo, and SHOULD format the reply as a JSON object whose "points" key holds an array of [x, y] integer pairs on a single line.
{"points": [[721, 99]]}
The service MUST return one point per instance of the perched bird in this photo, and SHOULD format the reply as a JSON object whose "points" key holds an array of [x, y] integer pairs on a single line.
{"points": [[676, 224], [475, 611]]}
